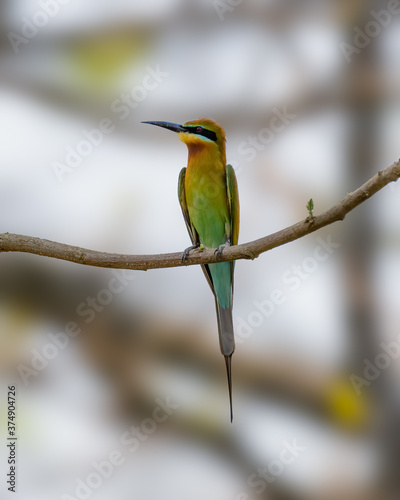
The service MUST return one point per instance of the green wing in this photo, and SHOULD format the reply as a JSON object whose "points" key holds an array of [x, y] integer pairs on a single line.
{"points": [[191, 229], [182, 201], [233, 202]]}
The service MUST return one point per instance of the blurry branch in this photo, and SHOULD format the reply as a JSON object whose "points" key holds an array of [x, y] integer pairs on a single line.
{"points": [[251, 250]]}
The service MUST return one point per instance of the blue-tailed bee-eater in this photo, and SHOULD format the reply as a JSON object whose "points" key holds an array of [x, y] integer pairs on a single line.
{"points": [[208, 195]]}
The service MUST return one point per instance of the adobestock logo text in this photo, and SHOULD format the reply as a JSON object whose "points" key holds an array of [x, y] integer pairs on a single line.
{"points": [[41, 357], [291, 281], [122, 107], [130, 441], [265, 136], [373, 28], [40, 19]]}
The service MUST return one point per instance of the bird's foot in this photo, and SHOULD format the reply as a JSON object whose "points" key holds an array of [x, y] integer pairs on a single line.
{"points": [[187, 250], [220, 249]]}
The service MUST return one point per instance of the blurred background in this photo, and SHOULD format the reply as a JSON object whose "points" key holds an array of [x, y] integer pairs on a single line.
{"points": [[67, 68]]}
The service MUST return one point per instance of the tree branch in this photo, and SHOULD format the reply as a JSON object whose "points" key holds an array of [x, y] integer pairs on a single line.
{"points": [[28, 244]]}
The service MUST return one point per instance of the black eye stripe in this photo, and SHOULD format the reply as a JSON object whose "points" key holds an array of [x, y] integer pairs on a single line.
{"points": [[202, 131]]}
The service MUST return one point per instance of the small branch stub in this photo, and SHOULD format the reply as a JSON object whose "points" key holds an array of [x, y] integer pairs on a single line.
{"points": [[310, 208]]}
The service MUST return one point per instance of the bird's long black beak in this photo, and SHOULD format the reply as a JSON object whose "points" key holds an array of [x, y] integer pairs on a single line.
{"points": [[175, 127]]}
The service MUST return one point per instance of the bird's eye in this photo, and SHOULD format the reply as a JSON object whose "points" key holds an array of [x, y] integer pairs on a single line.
{"points": [[199, 129]]}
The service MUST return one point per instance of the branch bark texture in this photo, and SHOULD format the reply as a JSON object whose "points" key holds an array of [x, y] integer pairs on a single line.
{"points": [[19, 243]]}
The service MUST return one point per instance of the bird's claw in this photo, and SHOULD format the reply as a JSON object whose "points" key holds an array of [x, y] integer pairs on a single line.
{"points": [[220, 249], [186, 252]]}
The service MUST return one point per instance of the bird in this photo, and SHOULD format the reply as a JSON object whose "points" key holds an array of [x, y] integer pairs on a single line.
{"points": [[209, 200]]}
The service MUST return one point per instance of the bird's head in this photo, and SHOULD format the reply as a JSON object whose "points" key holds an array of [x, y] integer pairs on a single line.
{"points": [[198, 134]]}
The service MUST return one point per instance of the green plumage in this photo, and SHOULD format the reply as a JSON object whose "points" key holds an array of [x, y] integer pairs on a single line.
{"points": [[210, 206], [208, 196]]}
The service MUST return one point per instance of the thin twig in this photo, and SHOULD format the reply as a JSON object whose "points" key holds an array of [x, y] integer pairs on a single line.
{"points": [[251, 250]]}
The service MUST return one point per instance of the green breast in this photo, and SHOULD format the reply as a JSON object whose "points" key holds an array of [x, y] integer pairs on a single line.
{"points": [[208, 205]]}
